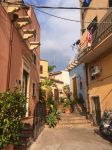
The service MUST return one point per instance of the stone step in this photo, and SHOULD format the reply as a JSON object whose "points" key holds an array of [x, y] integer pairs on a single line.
{"points": [[74, 121], [73, 126], [72, 118]]}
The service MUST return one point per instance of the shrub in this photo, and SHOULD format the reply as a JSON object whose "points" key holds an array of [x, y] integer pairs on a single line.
{"points": [[53, 116], [12, 109]]}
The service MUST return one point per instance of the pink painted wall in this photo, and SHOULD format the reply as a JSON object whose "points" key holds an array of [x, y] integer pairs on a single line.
{"points": [[4, 47], [19, 51]]}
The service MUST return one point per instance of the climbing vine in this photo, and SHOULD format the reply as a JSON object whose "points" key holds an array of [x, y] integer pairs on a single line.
{"points": [[12, 109]]}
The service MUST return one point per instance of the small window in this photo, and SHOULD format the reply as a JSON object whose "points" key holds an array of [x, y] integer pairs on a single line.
{"points": [[110, 3], [34, 89], [41, 69], [34, 58], [81, 86]]}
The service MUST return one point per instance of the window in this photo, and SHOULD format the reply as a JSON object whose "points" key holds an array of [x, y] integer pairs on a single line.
{"points": [[34, 58], [34, 89], [110, 3], [93, 25], [25, 83], [41, 69], [81, 86]]}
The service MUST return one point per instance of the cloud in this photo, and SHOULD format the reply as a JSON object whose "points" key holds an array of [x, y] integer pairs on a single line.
{"points": [[58, 35]]}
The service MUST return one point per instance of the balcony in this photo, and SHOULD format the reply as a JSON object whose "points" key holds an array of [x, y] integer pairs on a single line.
{"points": [[23, 21], [101, 40], [26, 34], [33, 45]]}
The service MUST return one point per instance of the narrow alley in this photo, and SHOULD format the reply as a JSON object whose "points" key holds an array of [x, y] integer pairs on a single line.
{"points": [[73, 132], [56, 76]]}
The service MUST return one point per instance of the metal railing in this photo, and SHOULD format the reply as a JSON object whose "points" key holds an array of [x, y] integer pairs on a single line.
{"points": [[103, 30]]}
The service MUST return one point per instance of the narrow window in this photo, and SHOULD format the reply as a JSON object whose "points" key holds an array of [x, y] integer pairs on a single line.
{"points": [[33, 90], [41, 69], [110, 3], [34, 58]]}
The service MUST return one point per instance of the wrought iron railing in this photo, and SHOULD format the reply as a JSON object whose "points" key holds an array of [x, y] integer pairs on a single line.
{"points": [[104, 28]]}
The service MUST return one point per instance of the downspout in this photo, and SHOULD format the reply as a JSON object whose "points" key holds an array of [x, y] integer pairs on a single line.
{"points": [[14, 18]]}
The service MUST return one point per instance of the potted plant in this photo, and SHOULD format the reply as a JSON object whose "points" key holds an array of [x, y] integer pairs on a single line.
{"points": [[67, 107], [53, 117]]}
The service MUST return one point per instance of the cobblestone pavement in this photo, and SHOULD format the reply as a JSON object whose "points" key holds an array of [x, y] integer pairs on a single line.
{"points": [[79, 138]]}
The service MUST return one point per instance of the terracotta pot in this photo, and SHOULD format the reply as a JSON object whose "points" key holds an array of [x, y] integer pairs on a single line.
{"points": [[9, 147], [68, 110], [47, 110]]}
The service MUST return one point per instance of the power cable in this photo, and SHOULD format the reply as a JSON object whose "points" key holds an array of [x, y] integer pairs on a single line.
{"points": [[57, 7], [68, 18], [56, 16], [63, 18]]}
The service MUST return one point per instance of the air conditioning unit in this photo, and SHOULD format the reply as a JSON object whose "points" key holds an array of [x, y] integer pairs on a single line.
{"points": [[96, 71]]}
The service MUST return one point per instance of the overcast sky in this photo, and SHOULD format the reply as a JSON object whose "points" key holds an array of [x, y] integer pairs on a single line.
{"points": [[57, 36]]}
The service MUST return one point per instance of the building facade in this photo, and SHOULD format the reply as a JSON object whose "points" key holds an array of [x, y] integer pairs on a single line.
{"points": [[60, 78], [44, 69], [20, 53], [95, 50]]}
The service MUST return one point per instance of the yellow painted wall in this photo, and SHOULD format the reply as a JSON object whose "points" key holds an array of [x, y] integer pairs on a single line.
{"points": [[91, 14], [102, 85], [44, 64]]}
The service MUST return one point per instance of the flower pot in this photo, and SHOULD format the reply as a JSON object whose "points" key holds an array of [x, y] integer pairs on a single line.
{"points": [[47, 110], [9, 147], [68, 110]]}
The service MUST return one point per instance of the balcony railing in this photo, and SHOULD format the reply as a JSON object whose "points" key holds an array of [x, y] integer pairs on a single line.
{"points": [[104, 29]]}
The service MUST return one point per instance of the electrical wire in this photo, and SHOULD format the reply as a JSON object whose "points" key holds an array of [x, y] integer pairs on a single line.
{"points": [[63, 18], [57, 16], [55, 7]]}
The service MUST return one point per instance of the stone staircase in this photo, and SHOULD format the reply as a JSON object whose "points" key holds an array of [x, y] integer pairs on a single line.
{"points": [[73, 120]]}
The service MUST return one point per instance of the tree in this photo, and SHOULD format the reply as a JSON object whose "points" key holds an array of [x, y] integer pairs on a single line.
{"points": [[51, 68]]}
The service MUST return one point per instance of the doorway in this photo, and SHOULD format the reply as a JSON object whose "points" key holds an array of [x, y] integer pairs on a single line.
{"points": [[74, 83], [97, 109], [56, 95], [25, 87]]}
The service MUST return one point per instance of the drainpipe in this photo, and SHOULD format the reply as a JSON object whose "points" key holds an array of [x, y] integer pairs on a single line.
{"points": [[13, 19]]}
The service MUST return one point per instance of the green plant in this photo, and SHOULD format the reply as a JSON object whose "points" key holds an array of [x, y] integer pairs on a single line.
{"points": [[12, 109], [53, 115], [66, 90], [68, 106], [51, 68], [51, 120], [61, 99]]}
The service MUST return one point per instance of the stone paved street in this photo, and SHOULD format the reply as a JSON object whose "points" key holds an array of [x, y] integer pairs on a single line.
{"points": [[75, 136], [70, 139]]}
